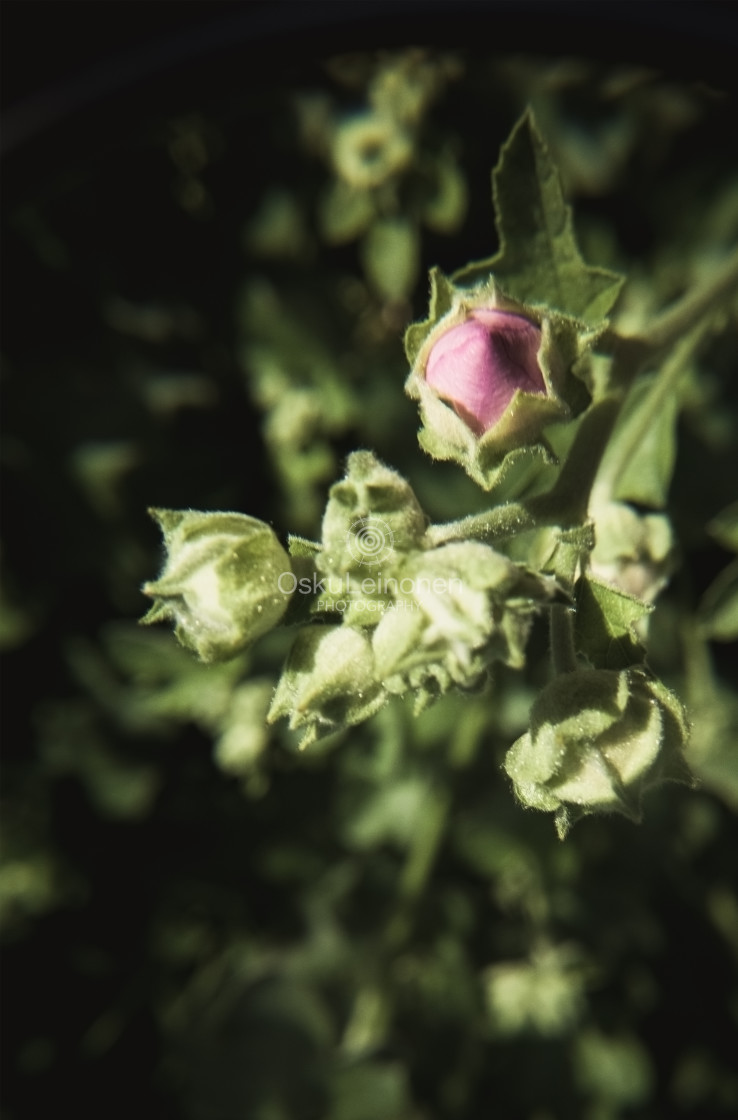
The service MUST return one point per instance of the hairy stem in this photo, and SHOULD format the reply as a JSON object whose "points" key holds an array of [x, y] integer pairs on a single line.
{"points": [[495, 525]]}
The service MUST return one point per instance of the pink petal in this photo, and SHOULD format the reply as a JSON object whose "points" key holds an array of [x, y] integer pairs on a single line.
{"points": [[478, 365]]}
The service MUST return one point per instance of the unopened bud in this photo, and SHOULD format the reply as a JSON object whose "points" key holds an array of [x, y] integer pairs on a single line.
{"points": [[372, 513], [328, 682], [597, 740], [221, 581], [490, 374]]}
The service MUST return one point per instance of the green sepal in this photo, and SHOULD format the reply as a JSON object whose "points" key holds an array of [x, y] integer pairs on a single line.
{"points": [[605, 622], [359, 598], [671, 765], [328, 682], [300, 548], [563, 553], [159, 612], [306, 593], [539, 260], [440, 302]]}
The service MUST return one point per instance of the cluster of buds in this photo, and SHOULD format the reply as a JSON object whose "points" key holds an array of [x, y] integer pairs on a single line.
{"points": [[445, 616], [413, 618], [388, 613]]}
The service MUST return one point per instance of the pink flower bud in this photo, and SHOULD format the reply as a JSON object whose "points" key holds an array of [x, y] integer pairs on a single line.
{"points": [[479, 364]]}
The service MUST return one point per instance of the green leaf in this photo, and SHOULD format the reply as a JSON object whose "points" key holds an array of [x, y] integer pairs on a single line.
{"points": [[719, 606], [539, 260], [345, 213], [711, 752], [605, 622], [391, 257], [445, 210], [724, 527], [642, 450]]}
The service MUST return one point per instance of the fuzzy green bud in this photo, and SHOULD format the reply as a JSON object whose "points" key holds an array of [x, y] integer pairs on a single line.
{"points": [[328, 682], [634, 552], [597, 740], [222, 582], [372, 514]]}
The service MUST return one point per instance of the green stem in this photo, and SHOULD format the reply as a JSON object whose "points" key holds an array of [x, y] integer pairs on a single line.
{"points": [[419, 863], [563, 652], [494, 525], [428, 837]]}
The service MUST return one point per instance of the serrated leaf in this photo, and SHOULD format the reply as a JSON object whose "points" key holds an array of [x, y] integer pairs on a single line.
{"points": [[605, 622], [539, 260]]}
